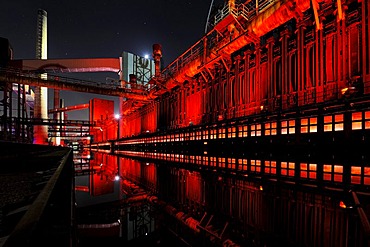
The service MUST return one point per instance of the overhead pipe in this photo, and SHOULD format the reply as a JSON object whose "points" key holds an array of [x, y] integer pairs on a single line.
{"points": [[69, 108]]}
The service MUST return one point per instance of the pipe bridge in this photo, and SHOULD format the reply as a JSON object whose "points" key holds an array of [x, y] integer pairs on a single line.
{"points": [[78, 85]]}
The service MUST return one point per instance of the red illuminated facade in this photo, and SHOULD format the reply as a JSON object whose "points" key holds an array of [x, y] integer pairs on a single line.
{"points": [[102, 113], [274, 59]]}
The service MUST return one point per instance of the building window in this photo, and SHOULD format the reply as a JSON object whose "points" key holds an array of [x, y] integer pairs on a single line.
{"points": [[213, 161], [231, 132], [199, 135], [256, 166], [360, 175], [205, 160], [243, 130], [356, 174], [287, 127], [366, 175], [205, 134], [256, 130], [367, 119], [231, 163], [198, 160], [308, 171], [221, 162], [270, 128], [335, 121], [213, 134], [192, 136], [222, 133], [287, 169], [338, 122], [356, 120], [309, 125], [270, 167], [333, 173], [242, 164]]}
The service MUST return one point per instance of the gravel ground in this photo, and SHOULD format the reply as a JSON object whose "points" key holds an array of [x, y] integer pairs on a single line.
{"points": [[19, 188]]}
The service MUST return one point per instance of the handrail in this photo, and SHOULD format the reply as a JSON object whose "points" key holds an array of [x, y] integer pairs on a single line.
{"points": [[248, 11]]}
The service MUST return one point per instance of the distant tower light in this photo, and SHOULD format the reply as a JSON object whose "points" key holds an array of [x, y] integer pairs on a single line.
{"points": [[146, 56], [342, 204]]}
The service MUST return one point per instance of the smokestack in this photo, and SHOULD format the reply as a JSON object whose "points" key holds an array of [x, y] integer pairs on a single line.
{"points": [[56, 116], [157, 55], [41, 93]]}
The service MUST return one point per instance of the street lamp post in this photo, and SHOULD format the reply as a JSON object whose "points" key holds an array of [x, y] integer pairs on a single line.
{"points": [[118, 117]]}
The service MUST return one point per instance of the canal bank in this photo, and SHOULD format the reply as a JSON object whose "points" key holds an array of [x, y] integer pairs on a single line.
{"points": [[36, 195]]}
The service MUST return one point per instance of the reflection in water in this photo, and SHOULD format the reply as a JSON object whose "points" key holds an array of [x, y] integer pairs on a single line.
{"points": [[215, 205], [97, 179], [109, 205]]}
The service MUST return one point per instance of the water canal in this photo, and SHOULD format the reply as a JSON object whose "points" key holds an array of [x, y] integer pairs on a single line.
{"points": [[130, 201]]}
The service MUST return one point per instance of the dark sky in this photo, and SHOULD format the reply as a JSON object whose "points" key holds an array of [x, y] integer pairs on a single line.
{"points": [[85, 28]]}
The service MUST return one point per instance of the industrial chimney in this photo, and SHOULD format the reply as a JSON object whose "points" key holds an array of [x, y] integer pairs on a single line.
{"points": [[40, 132], [157, 55]]}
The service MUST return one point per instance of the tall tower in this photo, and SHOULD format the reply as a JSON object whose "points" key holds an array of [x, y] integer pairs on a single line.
{"points": [[40, 132]]}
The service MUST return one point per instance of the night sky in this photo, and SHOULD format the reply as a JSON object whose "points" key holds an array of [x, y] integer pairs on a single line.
{"points": [[85, 28]]}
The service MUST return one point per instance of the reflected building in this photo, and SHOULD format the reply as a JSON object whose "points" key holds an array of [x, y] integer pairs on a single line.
{"points": [[241, 204]]}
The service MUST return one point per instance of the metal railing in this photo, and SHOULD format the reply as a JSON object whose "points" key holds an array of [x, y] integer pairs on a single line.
{"points": [[248, 11]]}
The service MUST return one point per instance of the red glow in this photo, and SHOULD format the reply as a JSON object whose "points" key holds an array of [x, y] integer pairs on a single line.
{"points": [[82, 188], [102, 113], [102, 182]]}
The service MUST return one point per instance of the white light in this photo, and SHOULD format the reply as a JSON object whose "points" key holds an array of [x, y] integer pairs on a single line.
{"points": [[116, 178], [146, 56], [116, 116]]}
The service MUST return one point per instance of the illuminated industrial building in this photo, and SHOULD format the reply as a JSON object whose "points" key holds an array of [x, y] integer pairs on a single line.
{"points": [[271, 107]]}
